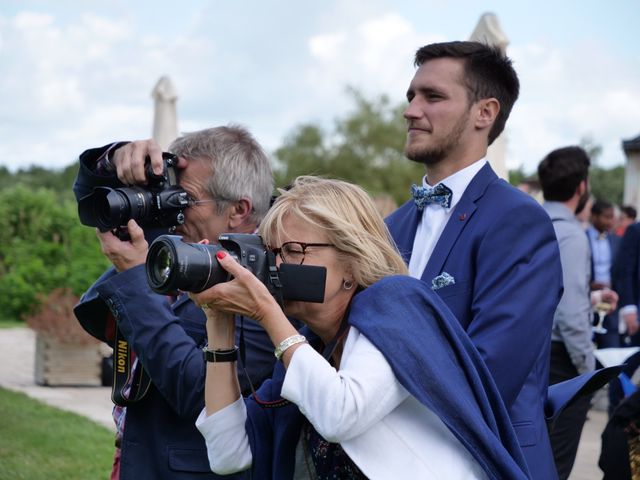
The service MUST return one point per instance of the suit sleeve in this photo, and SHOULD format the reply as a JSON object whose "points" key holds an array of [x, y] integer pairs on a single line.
{"points": [[87, 177], [517, 286], [167, 345]]}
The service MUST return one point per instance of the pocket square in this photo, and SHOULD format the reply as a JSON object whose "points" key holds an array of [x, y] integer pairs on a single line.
{"points": [[442, 280]]}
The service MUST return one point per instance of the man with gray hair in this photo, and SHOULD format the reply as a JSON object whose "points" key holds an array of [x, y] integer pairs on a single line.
{"points": [[228, 183]]}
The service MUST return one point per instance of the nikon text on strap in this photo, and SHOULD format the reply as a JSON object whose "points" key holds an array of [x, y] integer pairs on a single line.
{"points": [[129, 384]]}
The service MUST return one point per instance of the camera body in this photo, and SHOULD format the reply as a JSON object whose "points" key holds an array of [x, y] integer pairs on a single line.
{"points": [[174, 265], [160, 203]]}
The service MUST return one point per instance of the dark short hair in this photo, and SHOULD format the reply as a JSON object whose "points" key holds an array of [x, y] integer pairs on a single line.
{"points": [[561, 171], [488, 73], [629, 211], [599, 206]]}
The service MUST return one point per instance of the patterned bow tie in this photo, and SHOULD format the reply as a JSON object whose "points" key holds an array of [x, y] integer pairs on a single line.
{"points": [[440, 195]]}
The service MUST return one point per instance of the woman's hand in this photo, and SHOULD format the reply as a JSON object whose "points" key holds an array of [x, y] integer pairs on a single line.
{"points": [[244, 294]]}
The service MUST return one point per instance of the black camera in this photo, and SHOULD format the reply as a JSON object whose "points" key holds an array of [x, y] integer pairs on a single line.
{"points": [[160, 203], [174, 265]]}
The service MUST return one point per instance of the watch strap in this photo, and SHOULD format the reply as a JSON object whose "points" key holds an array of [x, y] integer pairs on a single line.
{"points": [[215, 356]]}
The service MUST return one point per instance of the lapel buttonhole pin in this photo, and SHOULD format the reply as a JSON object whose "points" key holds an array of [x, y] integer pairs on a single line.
{"points": [[463, 217]]}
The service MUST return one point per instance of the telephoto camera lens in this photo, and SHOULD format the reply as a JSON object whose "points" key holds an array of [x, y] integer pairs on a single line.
{"points": [[114, 207], [174, 265]]}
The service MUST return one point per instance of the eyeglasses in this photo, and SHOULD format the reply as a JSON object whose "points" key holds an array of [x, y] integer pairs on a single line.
{"points": [[192, 202], [294, 252]]}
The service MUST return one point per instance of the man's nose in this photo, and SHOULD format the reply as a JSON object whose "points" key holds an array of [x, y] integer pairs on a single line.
{"points": [[412, 111]]}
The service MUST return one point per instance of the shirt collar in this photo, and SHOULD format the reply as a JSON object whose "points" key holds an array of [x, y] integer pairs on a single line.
{"points": [[595, 234], [459, 181]]}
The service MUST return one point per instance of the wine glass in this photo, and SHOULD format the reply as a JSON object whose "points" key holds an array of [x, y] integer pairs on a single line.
{"points": [[602, 309]]}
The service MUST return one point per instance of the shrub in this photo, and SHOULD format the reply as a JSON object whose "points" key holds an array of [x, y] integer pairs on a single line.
{"points": [[43, 246]]}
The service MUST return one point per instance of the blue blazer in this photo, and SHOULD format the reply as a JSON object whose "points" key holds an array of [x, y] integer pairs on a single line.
{"points": [[626, 267], [501, 250], [160, 438]]}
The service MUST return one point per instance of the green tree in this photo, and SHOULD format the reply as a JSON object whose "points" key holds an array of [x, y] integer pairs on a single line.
{"points": [[607, 184], [365, 147], [59, 181], [42, 246]]}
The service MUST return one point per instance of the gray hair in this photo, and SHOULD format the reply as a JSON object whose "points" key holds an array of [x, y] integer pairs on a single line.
{"points": [[239, 166]]}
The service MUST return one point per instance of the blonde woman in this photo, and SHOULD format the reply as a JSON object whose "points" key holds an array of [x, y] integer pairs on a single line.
{"points": [[380, 383]]}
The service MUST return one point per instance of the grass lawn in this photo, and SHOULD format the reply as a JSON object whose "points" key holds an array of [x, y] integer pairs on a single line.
{"points": [[42, 442], [5, 323]]}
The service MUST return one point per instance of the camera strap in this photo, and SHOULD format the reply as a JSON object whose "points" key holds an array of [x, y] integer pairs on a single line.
{"points": [[130, 381], [274, 285]]}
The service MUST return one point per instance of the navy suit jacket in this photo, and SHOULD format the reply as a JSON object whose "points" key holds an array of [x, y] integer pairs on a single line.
{"points": [[160, 438], [626, 267], [501, 250]]}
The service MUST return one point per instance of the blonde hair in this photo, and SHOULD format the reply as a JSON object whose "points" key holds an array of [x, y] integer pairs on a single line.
{"points": [[347, 215]]}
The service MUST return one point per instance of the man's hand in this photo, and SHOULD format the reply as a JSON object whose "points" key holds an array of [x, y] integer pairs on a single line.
{"points": [[125, 255], [129, 161], [606, 295], [631, 321]]}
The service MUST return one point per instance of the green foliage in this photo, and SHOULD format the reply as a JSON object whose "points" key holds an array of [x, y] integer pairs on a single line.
{"points": [[41, 442], [42, 246], [607, 184], [517, 176], [366, 147], [35, 177]]}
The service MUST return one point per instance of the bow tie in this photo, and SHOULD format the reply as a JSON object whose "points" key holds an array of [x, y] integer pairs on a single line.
{"points": [[440, 195]]}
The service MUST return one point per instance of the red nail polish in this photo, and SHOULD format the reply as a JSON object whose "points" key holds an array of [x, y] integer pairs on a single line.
{"points": [[221, 254]]}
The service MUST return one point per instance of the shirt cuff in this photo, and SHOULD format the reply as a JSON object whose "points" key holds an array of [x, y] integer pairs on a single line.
{"points": [[628, 309], [226, 438]]}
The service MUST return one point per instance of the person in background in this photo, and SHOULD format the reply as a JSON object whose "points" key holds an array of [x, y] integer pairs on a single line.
{"points": [[627, 216], [627, 281], [564, 177], [604, 247], [381, 383], [228, 180], [490, 247]]}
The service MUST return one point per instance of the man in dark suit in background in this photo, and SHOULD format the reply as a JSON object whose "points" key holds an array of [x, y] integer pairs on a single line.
{"points": [[626, 278], [488, 249]]}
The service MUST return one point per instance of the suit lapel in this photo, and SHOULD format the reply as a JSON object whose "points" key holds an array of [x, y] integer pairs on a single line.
{"points": [[403, 224], [460, 216]]}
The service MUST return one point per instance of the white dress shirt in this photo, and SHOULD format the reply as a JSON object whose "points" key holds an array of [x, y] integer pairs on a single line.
{"points": [[384, 430], [435, 217]]}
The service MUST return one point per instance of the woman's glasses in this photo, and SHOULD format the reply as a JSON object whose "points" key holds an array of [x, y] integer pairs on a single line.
{"points": [[294, 252]]}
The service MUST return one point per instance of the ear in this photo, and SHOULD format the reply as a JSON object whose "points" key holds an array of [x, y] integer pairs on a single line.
{"points": [[486, 113], [239, 213], [582, 187]]}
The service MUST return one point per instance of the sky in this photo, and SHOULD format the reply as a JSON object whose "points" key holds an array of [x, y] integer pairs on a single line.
{"points": [[75, 75]]}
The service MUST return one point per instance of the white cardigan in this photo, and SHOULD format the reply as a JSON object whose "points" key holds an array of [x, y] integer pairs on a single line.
{"points": [[384, 430]]}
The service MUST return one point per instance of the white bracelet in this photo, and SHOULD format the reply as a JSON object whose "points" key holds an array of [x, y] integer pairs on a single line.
{"points": [[288, 343]]}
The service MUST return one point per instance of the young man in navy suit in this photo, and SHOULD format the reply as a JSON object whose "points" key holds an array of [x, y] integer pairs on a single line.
{"points": [[488, 249]]}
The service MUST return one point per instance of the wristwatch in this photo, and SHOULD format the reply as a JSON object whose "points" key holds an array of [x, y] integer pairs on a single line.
{"points": [[229, 355]]}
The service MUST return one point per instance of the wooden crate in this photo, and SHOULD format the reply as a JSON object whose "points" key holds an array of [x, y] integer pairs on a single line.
{"points": [[66, 364]]}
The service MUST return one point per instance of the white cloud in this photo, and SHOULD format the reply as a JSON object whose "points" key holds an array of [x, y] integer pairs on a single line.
{"points": [[570, 94], [75, 81]]}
